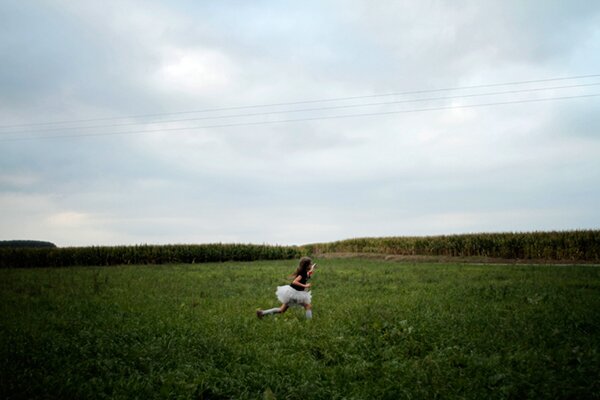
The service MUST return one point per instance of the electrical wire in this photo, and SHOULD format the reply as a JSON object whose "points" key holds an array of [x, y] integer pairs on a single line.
{"points": [[347, 106], [332, 117], [412, 92]]}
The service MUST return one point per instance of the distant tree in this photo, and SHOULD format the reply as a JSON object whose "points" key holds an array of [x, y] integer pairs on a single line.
{"points": [[25, 244]]}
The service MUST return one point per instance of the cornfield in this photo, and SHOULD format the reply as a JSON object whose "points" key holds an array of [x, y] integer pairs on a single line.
{"points": [[568, 246], [580, 245], [141, 254]]}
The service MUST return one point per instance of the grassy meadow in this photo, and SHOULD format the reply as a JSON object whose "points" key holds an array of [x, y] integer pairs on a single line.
{"points": [[381, 330]]}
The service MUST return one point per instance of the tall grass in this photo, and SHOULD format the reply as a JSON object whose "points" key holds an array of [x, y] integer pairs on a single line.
{"points": [[581, 245]]}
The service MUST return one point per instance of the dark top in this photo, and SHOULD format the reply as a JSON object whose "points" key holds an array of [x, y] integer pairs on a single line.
{"points": [[303, 279]]}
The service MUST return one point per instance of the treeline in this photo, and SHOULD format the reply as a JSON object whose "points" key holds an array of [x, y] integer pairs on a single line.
{"points": [[580, 245], [141, 254], [25, 244]]}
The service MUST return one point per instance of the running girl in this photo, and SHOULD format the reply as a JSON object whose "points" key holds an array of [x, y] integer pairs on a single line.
{"points": [[296, 293]]}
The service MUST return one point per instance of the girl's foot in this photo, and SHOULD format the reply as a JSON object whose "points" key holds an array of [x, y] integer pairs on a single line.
{"points": [[259, 314]]}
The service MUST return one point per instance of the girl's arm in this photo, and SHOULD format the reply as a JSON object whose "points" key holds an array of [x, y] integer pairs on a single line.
{"points": [[297, 282]]}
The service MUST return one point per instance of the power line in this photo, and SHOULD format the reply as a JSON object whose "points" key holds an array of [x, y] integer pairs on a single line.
{"points": [[412, 92], [332, 117], [347, 106]]}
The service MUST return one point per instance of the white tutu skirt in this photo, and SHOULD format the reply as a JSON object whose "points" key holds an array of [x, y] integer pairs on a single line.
{"points": [[290, 296]]}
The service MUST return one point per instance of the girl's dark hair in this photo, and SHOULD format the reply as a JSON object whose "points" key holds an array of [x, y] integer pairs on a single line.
{"points": [[303, 266]]}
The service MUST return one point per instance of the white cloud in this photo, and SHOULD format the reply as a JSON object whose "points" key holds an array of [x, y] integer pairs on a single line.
{"points": [[68, 219], [190, 71]]}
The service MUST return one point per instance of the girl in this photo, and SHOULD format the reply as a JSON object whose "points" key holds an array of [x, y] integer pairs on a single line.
{"points": [[294, 293]]}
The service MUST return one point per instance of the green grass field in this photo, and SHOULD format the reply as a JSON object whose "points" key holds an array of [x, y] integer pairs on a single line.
{"points": [[381, 330]]}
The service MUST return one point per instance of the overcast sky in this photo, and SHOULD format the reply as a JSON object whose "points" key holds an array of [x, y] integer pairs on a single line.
{"points": [[102, 141]]}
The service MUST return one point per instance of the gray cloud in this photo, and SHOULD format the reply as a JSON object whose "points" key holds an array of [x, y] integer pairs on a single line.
{"points": [[513, 167]]}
